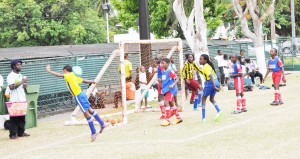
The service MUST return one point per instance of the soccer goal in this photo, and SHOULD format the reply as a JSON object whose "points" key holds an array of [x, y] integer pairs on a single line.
{"points": [[112, 79]]}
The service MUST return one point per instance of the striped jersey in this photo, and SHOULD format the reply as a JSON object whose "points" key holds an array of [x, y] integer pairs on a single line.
{"points": [[188, 69]]}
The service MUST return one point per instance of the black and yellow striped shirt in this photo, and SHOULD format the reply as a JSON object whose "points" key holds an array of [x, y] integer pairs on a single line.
{"points": [[188, 69]]}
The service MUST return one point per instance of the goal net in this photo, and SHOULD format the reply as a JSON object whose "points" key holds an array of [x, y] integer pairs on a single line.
{"points": [[109, 94]]}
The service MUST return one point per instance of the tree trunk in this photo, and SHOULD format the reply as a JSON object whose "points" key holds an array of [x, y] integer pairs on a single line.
{"points": [[193, 27], [257, 18], [258, 42], [273, 30]]}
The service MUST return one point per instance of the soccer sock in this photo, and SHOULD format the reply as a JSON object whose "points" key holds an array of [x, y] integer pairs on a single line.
{"points": [[175, 111], [203, 111], [163, 109], [196, 102], [243, 103], [172, 111], [168, 112], [279, 96], [200, 92], [97, 117], [217, 107], [238, 103], [91, 124], [276, 95]]}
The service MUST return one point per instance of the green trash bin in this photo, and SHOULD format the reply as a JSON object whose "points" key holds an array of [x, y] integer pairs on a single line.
{"points": [[32, 94], [3, 109]]}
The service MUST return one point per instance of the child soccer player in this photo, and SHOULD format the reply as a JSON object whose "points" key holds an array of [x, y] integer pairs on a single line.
{"points": [[237, 75], [81, 98], [212, 86], [159, 89], [275, 65], [188, 75], [173, 66], [169, 90], [143, 83]]}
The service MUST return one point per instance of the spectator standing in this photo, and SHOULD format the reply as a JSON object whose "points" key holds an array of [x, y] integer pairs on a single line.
{"points": [[17, 84], [221, 65], [242, 61], [143, 84], [128, 66]]}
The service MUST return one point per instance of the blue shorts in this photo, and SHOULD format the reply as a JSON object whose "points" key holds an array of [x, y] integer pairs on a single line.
{"points": [[83, 102], [209, 89], [146, 95]]}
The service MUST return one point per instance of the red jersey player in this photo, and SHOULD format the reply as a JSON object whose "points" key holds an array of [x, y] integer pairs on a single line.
{"points": [[237, 75], [276, 66]]}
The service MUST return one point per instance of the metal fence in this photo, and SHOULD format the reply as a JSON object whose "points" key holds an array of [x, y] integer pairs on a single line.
{"points": [[289, 49], [54, 96]]}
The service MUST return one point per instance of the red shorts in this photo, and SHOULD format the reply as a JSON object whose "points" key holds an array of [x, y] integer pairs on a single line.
{"points": [[159, 88], [194, 85], [277, 77], [239, 84], [169, 97]]}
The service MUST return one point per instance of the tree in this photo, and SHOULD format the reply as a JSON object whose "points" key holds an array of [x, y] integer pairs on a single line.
{"points": [[163, 21], [259, 10], [49, 22], [196, 36]]}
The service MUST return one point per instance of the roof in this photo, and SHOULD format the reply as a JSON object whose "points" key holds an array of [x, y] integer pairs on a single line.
{"points": [[70, 50], [52, 51]]}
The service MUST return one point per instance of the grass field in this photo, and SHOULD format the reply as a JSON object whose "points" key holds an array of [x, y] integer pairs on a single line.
{"points": [[263, 132]]}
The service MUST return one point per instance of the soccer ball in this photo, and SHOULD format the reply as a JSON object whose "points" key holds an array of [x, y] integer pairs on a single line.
{"points": [[77, 70]]}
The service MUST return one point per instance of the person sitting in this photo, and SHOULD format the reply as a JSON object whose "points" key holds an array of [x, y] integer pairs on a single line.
{"points": [[130, 92], [253, 70]]}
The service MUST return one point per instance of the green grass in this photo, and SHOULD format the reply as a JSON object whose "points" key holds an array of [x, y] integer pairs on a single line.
{"points": [[263, 132]]}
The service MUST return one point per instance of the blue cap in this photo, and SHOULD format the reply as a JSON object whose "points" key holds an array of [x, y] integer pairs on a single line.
{"points": [[14, 62]]}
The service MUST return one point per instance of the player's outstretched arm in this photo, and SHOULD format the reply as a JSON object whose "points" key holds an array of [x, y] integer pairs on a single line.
{"points": [[48, 68], [89, 81]]}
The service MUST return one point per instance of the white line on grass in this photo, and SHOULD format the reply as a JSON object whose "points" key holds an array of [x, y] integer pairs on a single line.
{"points": [[148, 142]]}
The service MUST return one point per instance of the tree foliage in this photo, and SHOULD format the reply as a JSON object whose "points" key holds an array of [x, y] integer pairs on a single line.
{"points": [[49, 22], [162, 17]]}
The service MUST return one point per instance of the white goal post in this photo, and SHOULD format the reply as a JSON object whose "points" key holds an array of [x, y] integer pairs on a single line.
{"points": [[121, 52]]}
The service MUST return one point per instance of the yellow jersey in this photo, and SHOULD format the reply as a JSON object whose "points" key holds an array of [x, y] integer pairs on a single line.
{"points": [[128, 68], [188, 69], [207, 71], [73, 82]]}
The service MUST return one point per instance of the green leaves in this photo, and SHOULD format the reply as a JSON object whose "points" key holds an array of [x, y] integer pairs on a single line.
{"points": [[162, 19], [49, 22]]}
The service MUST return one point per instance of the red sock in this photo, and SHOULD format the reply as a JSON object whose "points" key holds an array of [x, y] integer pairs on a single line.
{"points": [[175, 111], [238, 104], [276, 97], [163, 111], [244, 103], [279, 97], [168, 113], [172, 112]]}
